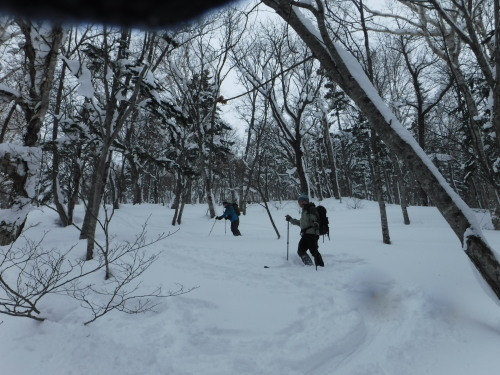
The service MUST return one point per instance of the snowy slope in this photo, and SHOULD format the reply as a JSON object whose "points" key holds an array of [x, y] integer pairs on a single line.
{"points": [[413, 307]]}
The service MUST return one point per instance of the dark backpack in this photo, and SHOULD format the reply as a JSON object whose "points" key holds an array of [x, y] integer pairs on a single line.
{"points": [[236, 209], [324, 229], [320, 212]]}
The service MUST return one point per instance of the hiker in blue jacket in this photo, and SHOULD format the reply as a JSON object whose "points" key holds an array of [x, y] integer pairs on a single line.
{"points": [[231, 214]]}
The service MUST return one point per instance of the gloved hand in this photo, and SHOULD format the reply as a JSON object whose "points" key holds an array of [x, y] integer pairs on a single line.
{"points": [[288, 218], [316, 225], [218, 217]]}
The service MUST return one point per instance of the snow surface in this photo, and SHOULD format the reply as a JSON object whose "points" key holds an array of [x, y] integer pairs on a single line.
{"points": [[413, 307]]}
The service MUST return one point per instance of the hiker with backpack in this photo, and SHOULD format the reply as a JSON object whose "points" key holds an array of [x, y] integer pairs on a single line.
{"points": [[309, 230], [231, 213]]}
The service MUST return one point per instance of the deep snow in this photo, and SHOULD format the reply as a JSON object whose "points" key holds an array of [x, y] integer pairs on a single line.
{"points": [[413, 307]]}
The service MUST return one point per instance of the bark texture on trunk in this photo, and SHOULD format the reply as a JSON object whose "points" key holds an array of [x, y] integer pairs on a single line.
{"points": [[20, 163], [331, 157], [378, 187]]}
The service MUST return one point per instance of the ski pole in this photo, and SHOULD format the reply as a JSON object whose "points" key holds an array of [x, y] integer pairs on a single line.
{"points": [[212, 227], [225, 227], [287, 238]]}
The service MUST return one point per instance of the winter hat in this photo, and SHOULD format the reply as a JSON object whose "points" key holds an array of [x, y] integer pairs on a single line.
{"points": [[224, 203], [303, 197]]}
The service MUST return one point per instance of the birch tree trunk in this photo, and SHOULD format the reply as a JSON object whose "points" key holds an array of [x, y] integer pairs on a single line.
{"points": [[348, 74], [375, 142], [330, 152], [378, 186], [401, 186]]}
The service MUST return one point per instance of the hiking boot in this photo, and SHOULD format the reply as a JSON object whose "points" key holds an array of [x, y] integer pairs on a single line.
{"points": [[307, 260], [318, 260]]}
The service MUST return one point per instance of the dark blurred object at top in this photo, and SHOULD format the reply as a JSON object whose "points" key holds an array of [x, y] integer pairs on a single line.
{"points": [[140, 13]]}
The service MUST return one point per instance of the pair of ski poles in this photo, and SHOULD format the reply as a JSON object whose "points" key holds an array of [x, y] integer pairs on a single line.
{"points": [[225, 227]]}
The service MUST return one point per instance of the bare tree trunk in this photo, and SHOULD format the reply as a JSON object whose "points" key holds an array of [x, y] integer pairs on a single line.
{"points": [[76, 182], [494, 203], [403, 195], [264, 200], [113, 187], [375, 143], [132, 162], [136, 186], [99, 180], [318, 171], [114, 120], [186, 197], [496, 87], [177, 197], [21, 163], [346, 72], [330, 152], [181, 210], [210, 195], [378, 186], [63, 215]]}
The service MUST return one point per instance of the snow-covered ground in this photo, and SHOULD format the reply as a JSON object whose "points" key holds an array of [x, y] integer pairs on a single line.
{"points": [[413, 307]]}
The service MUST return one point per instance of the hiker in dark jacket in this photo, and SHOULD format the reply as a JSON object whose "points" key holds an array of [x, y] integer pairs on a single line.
{"points": [[230, 213], [309, 230]]}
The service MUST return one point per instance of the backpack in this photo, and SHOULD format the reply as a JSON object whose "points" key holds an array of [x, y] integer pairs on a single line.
{"points": [[236, 209], [320, 212], [323, 221]]}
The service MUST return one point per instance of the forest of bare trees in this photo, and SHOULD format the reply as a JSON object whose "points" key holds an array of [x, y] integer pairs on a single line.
{"points": [[96, 114]]}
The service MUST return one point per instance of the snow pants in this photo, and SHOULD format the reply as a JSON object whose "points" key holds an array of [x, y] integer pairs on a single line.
{"points": [[234, 228], [310, 242]]}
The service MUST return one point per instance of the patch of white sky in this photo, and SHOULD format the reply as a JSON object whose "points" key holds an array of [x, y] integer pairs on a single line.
{"points": [[231, 86]]}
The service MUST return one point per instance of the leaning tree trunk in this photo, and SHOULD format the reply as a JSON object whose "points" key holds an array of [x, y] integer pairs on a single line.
{"points": [[343, 69], [264, 198]]}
